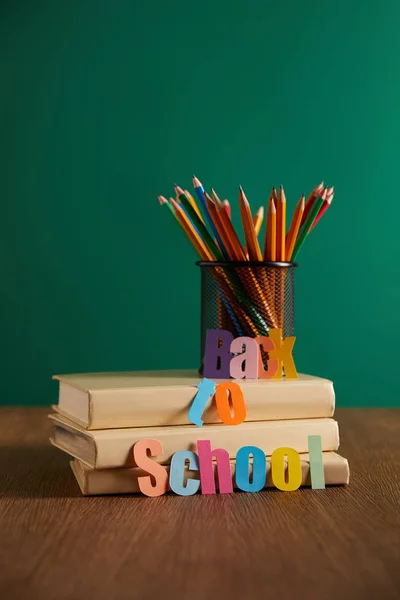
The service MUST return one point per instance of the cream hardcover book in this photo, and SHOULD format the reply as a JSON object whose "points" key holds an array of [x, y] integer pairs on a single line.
{"points": [[163, 398], [93, 482], [109, 448]]}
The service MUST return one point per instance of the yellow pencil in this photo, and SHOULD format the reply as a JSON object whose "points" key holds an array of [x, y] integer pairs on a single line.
{"points": [[281, 226], [199, 245], [193, 203], [258, 220], [294, 228], [270, 233], [253, 247]]}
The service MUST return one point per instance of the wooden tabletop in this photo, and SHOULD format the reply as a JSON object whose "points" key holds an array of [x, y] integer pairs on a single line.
{"points": [[337, 543]]}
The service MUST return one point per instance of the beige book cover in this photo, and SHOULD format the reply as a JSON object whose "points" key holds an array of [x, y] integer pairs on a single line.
{"points": [[109, 448], [94, 482], [161, 398]]}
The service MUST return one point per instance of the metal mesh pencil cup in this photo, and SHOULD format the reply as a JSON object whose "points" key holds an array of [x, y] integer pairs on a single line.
{"points": [[246, 298]]}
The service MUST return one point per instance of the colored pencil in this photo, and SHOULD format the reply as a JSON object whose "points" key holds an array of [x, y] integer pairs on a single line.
{"points": [[223, 242], [227, 207], [237, 249], [270, 232], [199, 245], [306, 226], [198, 224], [324, 207], [281, 225], [164, 202], [199, 189], [310, 201], [294, 228], [193, 203], [252, 244], [258, 220]]}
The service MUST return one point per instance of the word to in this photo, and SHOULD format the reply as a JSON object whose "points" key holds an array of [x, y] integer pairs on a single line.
{"points": [[203, 463], [226, 356]]}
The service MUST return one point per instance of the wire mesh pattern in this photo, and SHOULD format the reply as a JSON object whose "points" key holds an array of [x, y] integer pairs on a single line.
{"points": [[247, 298]]}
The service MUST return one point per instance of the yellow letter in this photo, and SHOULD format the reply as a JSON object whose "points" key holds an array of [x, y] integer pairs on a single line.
{"points": [[278, 469]]}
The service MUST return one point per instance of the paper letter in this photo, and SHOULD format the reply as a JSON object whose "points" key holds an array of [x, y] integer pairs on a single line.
{"points": [[246, 363], [217, 356], [207, 469], [283, 352], [157, 471], [293, 468], [266, 344], [222, 402], [177, 470], [259, 469], [206, 389], [316, 465]]}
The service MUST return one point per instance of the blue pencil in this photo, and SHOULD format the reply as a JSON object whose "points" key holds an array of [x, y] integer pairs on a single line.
{"points": [[203, 203]]}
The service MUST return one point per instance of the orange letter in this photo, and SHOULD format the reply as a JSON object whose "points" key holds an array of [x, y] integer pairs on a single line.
{"points": [[157, 471], [239, 407], [283, 352], [267, 345]]}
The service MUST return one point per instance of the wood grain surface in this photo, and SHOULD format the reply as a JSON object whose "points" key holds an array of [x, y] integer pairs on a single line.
{"points": [[337, 543]]}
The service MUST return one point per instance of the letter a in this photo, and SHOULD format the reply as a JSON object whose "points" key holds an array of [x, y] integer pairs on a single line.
{"points": [[246, 363]]}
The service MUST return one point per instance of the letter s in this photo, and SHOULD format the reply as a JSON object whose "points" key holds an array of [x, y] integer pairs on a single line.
{"points": [[143, 461]]}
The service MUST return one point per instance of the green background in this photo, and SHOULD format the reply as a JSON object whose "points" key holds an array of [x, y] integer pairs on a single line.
{"points": [[105, 104]]}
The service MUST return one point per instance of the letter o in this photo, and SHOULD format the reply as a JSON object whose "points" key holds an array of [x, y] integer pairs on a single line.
{"points": [[222, 402]]}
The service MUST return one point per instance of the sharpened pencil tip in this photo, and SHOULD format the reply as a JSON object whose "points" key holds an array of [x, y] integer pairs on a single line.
{"points": [[162, 199], [196, 182], [178, 189], [260, 212]]}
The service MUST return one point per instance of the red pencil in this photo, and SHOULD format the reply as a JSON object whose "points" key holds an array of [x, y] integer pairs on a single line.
{"points": [[328, 200], [310, 201], [227, 207]]}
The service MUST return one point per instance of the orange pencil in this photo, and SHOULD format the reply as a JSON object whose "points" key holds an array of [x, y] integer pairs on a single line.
{"points": [[270, 232], [294, 228], [212, 211], [258, 220], [253, 247], [238, 252], [281, 226]]}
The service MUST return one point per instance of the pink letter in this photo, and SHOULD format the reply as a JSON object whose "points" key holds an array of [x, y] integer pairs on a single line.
{"points": [[217, 356], [246, 363], [207, 469], [144, 462]]}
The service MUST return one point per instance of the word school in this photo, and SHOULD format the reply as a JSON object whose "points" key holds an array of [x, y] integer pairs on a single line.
{"points": [[203, 462]]}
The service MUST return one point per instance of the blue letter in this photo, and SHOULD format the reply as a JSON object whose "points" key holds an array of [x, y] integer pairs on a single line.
{"points": [[259, 469], [206, 389], [177, 473]]}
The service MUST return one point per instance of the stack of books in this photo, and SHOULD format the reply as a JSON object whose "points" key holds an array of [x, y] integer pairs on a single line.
{"points": [[100, 416]]}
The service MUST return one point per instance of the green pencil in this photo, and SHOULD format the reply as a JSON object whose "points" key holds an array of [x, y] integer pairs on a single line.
{"points": [[164, 202], [199, 225], [305, 228]]}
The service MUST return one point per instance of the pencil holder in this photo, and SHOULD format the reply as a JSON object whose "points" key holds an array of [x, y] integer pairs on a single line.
{"points": [[246, 298]]}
